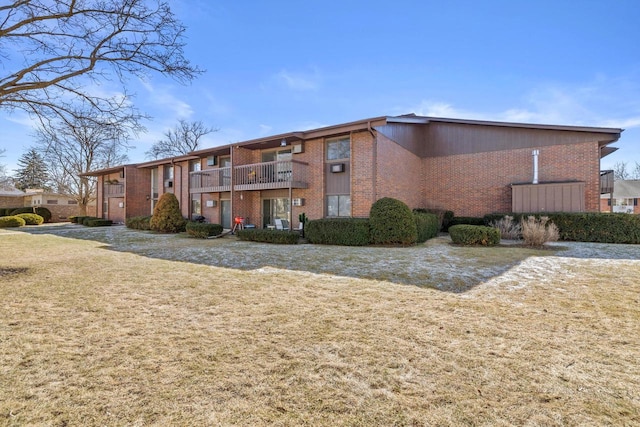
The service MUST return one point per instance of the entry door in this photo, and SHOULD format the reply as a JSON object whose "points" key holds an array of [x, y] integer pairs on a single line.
{"points": [[225, 213], [273, 209]]}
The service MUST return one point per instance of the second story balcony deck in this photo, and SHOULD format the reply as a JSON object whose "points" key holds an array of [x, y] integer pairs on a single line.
{"points": [[606, 181], [257, 176]]}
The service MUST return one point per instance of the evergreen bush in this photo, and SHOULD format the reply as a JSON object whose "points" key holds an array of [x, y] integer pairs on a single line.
{"points": [[466, 220], [98, 222], [86, 219], [167, 217], [392, 223], [31, 218], [464, 234], [138, 222], [25, 209], [11, 221], [427, 225], [338, 231], [268, 236], [203, 230], [444, 216], [44, 213]]}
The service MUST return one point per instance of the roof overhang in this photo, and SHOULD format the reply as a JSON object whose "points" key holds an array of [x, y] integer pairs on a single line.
{"points": [[167, 161]]}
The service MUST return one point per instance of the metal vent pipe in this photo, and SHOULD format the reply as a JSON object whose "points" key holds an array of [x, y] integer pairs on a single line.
{"points": [[535, 154]]}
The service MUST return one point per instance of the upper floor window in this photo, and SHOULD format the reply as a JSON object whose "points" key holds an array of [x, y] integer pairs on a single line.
{"points": [[168, 172], [339, 148], [195, 166]]}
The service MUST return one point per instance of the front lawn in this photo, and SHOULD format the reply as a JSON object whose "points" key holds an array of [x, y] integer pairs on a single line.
{"points": [[129, 328]]}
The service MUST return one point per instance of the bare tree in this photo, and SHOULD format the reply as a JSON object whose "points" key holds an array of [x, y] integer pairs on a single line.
{"points": [[620, 171], [53, 49], [85, 142], [182, 139], [635, 174]]}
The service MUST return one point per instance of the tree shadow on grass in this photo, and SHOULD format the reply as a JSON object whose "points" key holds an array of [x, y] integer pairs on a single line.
{"points": [[435, 264]]}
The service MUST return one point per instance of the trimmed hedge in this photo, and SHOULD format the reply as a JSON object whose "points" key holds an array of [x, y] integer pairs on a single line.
{"points": [[268, 236], [589, 226], [466, 220], [86, 219], [11, 221], [464, 234], [31, 218], [98, 222], [338, 231], [203, 230], [44, 213], [138, 222], [444, 216], [392, 223], [427, 224]]}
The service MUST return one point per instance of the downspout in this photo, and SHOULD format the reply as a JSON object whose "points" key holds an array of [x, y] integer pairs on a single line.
{"points": [[175, 175], [232, 166], [374, 165]]}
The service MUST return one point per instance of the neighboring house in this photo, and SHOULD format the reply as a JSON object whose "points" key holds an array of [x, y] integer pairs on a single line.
{"points": [[11, 197], [467, 166], [625, 197], [61, 206]]}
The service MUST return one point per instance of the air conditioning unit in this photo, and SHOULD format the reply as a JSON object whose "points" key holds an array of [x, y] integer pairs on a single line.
{"points": [[168, 183], [337, 168], [297, 148], [298, 202], [211, 203]]}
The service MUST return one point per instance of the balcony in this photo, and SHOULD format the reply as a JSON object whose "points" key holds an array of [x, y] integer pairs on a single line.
{"points": [[114, 190], [606, 181], [271, 175], [210, 180]]}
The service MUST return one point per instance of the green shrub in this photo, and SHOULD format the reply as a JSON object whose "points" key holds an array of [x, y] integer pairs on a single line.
{"points": [[73, 219], [44, 213], [338, 231], [11, 221], [444, 216], [589, 226], [466, 220], [5, 211], [203, 230], [167, 217], [268, 236], [31, 218], [86, 219], [138, 222], [427, 225], [464, 234], [392, 223], [98, 222]]}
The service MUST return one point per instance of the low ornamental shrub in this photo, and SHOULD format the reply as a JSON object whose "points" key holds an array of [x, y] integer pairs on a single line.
{"points": [[392, 223], [98, 222], [268, 236], [86, 219], [73, 219], [463, 234], [509, 229], [11, 221], [338, 231], [427, 225], [203, 230], [167, 217], [538, 231], [589, 226], [31, 218], [138, 222]]}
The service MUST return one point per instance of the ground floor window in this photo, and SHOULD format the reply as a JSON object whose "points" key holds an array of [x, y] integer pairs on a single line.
{"points": [[273, 209], [339, 205]]}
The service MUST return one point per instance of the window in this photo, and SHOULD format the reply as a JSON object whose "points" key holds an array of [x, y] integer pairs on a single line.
{"points": [[52, 202], [339, 205], [338, 149], [72, 202], [168, 172], [194, 166]]}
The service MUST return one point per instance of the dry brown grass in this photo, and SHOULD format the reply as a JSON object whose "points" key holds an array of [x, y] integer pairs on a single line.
{"points": [[96, 337]]}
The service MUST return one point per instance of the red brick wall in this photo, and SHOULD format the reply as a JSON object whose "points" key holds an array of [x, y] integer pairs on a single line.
{"points": [[314, 195], [138, 192], [476, 184], [399, 174], [362, 173]]}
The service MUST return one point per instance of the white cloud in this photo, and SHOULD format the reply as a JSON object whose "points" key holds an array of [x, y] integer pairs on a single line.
{"points": [[163, 100]]}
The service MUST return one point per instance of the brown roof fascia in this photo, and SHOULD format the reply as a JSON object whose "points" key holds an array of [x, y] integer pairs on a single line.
{"points": [[424, 120], [166, 161], [105, 171]]}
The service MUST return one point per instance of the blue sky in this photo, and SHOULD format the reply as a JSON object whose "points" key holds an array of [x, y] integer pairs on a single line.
{"points": [[281, 66]]}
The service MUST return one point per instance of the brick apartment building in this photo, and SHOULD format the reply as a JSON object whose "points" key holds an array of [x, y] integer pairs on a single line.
{"points": [[469, 167], [624, 198]]}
